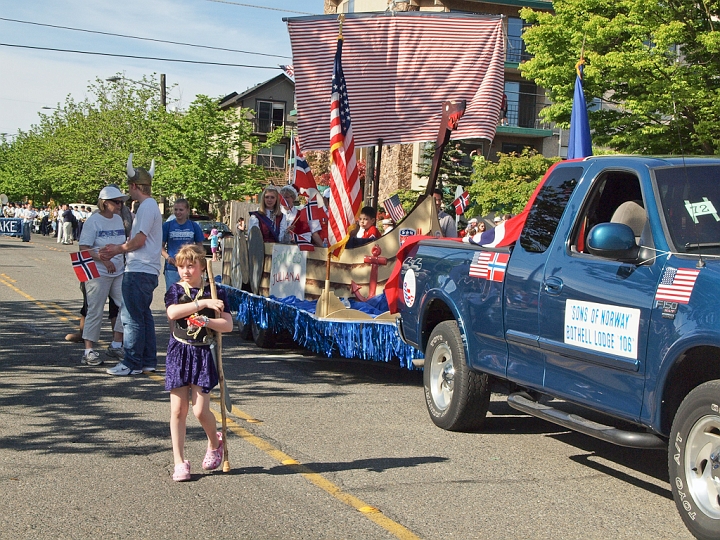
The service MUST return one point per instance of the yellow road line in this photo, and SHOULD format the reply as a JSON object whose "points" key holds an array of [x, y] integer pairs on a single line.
{"points": [[318, 480], [52, 308]]}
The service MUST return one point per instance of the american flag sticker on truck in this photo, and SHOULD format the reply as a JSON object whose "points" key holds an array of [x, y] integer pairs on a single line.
{"points": [[677, 285]]}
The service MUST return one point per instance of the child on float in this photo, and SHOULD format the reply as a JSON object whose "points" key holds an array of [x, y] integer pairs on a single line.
{"points": [[190, 370], [269, 219], [367, 231]]}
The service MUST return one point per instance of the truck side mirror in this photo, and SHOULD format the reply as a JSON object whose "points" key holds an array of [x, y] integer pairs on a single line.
{"points": [[613, 241]]}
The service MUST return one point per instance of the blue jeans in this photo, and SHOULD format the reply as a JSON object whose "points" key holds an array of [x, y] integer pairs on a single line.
{"points": [[171, 276], [138, 324]]}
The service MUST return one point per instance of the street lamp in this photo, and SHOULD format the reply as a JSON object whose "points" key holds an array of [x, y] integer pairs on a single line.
{"points": [[163, 95]]}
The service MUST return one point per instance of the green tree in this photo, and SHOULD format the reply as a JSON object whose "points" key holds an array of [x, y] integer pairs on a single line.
{"points": [[506, 186], [454, 168], [207, 153], [654, 63]]}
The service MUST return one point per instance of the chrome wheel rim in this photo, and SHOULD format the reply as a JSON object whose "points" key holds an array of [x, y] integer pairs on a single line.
{"points": [[702, 465], [442, 377]]}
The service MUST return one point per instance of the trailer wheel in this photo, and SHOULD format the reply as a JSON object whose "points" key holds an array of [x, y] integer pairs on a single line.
{"points": [[263, 337], [245, 330], [457, 398], [694, 460]]}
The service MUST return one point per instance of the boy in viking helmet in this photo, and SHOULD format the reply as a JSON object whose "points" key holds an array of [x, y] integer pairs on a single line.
{"points": [[142, 269]]}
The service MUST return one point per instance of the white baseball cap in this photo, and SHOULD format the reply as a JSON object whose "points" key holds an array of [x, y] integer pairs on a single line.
{"points": [[111, 192]]}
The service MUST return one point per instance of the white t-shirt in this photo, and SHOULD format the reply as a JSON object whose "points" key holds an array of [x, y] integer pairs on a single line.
{"points": [[148, 221], [99, 231]]}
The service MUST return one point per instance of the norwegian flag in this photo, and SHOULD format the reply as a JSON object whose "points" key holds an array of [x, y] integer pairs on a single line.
{"points": [[314, 211], [304, 179], [393, 206], [497, 266], [677, 285], [462, 203], [84, 266], [301, 234]]}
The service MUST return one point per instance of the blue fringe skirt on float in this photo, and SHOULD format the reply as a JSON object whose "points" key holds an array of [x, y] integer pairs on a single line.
{"points": [[365, 340]]}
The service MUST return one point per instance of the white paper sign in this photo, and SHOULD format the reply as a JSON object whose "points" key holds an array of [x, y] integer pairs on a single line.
{"points": [[287, 274], [603, 328]]}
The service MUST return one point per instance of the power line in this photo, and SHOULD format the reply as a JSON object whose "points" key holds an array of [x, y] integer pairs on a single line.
{"points": [[138, 57], [262, 7], [140, 38]]}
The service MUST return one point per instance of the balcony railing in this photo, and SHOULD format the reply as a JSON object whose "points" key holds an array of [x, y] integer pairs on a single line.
{"points": [[516, 52], [525, 115]]}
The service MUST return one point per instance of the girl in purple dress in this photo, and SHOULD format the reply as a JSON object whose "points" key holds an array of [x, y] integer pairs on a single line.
{"points": [[190, 370]]}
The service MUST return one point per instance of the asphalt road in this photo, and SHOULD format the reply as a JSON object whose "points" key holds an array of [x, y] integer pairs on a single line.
{"points": [[319, 448]]}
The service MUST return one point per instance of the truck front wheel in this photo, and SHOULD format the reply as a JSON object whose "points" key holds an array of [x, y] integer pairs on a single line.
{"points": [[457, 398], [694, 460]]}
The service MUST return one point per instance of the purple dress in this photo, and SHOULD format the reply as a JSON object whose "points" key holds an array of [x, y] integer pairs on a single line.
{"points": [[190, 364]]}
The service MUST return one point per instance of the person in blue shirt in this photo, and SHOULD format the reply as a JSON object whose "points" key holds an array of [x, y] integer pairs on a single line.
{"points": [[177, 233]]}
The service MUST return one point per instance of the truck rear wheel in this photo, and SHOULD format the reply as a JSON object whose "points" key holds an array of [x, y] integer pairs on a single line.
{"points": [[457, 398], [694, 460]]}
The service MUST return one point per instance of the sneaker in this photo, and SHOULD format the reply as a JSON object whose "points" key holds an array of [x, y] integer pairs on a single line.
{"points": [[182, 471], [115, 352], [122, 370], [149, 368], [213, 458], [92, 359]]}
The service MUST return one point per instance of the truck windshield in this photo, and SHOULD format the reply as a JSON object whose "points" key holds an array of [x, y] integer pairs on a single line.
{"points": [[690, 201]]}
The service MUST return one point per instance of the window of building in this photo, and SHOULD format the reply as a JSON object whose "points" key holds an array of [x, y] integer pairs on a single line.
{"points": [[522, 110], [273, 157], [516, 52], [270, 115], [515, 148]]}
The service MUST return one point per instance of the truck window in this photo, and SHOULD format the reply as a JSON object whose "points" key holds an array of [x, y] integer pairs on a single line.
{"points": [[549, 206], [615, 196], [690, 202]]}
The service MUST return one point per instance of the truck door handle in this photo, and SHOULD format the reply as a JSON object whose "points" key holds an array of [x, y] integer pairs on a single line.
{"points": [[553, 285]]}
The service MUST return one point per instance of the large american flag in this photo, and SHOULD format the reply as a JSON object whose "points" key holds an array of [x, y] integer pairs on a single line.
{"points": [[400, 68], [345, 196]]}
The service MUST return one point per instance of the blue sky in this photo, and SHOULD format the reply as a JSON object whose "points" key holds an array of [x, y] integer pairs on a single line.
{"points": [[31, 79]]}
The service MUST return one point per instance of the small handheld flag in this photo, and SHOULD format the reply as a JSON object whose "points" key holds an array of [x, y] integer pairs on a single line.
{"points": [[462, 203], [84, 265], [393, 206]]}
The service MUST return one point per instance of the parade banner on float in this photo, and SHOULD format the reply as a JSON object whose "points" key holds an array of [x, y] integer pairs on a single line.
{"points": [[601, 327], [11, 226], [287, 274]]}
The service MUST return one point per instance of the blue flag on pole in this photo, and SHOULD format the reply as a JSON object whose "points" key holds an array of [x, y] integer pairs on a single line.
{"points": [[580, 144]]}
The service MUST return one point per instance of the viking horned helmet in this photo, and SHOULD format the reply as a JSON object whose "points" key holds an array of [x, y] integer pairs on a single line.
{"points": [[140, 176]]}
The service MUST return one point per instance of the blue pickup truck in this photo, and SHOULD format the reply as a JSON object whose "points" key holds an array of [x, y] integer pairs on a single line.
{"points": [[608, 301]]}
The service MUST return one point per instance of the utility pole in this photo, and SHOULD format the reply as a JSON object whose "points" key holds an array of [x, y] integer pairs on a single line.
{"points": [[163, 94]]}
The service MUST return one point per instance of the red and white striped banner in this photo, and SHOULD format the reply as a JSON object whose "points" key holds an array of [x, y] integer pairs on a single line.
{"points": [[399, 69]]}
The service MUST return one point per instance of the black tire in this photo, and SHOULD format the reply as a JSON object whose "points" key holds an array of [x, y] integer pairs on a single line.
{"points": [[263, 337], [457, 398], [694, 460]]}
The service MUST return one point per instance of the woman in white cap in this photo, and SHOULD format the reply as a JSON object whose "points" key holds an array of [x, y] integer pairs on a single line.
{"points": [[102, 228]]}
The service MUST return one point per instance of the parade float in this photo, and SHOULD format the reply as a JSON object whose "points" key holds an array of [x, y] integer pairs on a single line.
{"points": [[331, 300]]}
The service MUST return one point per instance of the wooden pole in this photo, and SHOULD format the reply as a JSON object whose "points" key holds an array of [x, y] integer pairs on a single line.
{"points": [[221, 374]]}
